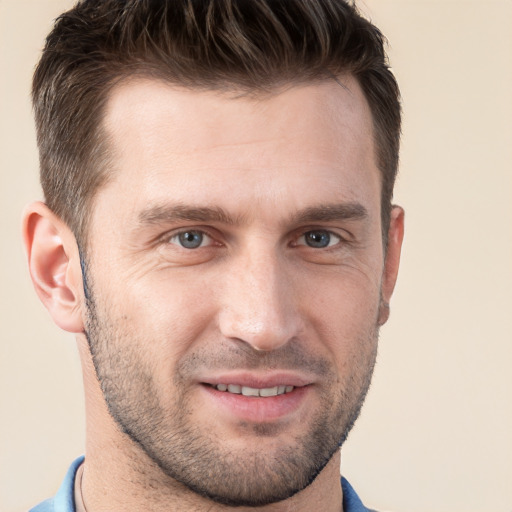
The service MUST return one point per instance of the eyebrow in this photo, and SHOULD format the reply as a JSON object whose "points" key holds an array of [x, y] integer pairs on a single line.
{"points": [[180, 212], [331, 212]]}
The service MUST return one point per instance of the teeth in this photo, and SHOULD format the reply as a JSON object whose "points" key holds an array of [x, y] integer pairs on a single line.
{"points": [[268, 391], [248, 391], [233, 388]]}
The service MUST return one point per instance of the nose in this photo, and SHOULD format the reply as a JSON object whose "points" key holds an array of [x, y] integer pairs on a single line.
{"points": [[259, 306]]}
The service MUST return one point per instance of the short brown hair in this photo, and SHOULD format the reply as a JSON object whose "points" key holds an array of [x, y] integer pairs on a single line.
{"points": [[253, 45]]}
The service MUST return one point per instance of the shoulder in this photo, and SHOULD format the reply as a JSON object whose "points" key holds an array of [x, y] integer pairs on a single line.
{"points": [[64, 500], [351, 501], [45, 506]]}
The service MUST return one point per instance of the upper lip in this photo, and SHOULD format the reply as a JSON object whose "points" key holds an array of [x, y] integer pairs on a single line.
{"points": [[258, 381]]}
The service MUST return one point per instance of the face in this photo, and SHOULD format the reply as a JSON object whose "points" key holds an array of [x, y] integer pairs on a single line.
{"points": [[234, 273]]}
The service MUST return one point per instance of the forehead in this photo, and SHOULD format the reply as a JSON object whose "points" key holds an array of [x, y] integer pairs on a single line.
{"points": [[303, 109], [296, 143]]}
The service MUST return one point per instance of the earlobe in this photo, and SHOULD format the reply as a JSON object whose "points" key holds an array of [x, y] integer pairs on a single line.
{"points": [[392, 261], [54, 265]]}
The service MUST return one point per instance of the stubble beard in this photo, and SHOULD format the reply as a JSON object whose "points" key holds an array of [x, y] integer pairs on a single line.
{"points": [[199, 459]]}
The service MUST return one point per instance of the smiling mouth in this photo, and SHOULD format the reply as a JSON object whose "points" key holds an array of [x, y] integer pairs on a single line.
{"points": [[254, 392]]}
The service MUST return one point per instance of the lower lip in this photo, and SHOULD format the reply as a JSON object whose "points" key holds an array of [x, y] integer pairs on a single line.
{"points": [[258, 409]]}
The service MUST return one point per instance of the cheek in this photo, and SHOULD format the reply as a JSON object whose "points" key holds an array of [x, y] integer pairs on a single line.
{"points": [[170, 315], [148, 327], [345, 317]]}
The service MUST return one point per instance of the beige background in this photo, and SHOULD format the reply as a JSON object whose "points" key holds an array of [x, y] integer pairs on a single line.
{"points": [[436, 432]]}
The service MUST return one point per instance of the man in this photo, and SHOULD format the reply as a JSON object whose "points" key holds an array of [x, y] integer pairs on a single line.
{"points": [[219, 234]]}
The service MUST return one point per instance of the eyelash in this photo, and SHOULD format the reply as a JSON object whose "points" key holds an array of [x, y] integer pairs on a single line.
{"points": [[324, 232], [205, 234], [175, 236]]}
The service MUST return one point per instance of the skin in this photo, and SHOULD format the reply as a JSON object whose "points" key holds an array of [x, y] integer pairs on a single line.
{"points": [[257, 180]]}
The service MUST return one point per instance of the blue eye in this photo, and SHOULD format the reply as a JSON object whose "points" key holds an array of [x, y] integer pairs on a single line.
{"points": [[189, 239], [319, 239]]}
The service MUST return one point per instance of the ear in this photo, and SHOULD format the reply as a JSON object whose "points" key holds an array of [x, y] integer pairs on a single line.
{"points": [[54, 265], [392, 261]]}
